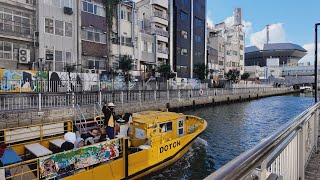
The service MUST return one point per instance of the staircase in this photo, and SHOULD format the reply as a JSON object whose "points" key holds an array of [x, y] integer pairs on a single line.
{"points": [[82, 124]]}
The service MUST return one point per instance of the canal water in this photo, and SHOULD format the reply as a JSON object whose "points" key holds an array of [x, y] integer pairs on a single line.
{"points": [[232, 129]]}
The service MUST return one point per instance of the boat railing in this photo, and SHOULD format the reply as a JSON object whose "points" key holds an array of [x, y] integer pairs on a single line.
{"points": [[284, 154], [80, 120], [63, 163], [98, 114], [19, 136]]}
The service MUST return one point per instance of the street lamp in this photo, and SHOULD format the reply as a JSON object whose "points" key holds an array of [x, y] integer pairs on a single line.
{"points": [[316, 62]]}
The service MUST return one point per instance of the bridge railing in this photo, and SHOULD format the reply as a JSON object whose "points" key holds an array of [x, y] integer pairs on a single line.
{"points": [[284, 154]]}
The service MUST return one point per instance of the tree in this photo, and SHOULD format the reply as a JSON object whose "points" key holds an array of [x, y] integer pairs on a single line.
{"points": [[233, 75], [245, 76], [125, 65], [200, 70], [165, 71]]}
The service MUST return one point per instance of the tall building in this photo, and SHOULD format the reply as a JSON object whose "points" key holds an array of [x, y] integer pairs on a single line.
{"points": [[187, 35], [94, 47], [17, 30], [58, 33], [216, 54], [153, 44]]}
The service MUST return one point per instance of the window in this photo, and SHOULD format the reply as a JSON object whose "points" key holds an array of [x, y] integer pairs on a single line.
{"points": [[228, 53], [67, 3], [235, 53], [198, 22], [94, 35], [125, 15], [183, 16], [241, 47], [147, 46], [126, 41], [180, 127], [198, 39], [59, 28], [220, 47], [233, 64], [7, 50], [166, 127], [184, 34], [93, 8], [15, 21], [220, 63], [49, 25], [241, 37], [186, 2], [95, 63], [49, 54], [241, 57], [68, 57], [32, 2], [184, 52], [68, 29], [58, 61]]}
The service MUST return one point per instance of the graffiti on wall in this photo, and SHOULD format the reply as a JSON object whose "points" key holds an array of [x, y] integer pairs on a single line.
{"points": [[22, 80]]}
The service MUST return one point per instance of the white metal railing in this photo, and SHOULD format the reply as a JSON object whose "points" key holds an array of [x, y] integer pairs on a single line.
{"points": [[284, 154], [9, 102]]}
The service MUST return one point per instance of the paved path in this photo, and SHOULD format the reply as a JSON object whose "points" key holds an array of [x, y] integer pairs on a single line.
{"points": [[313, 168]]}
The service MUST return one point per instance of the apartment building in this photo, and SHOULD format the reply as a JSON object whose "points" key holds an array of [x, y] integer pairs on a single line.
{"points": [[153, 23], [17, 32], [58, 35], [187, 35], [94, 46], [229, 44], [124, 34]]}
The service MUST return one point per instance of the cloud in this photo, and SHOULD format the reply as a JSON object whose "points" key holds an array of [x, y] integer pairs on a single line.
{"points": [[229, 21], [310, 56], [276, 31], [210, 22]]}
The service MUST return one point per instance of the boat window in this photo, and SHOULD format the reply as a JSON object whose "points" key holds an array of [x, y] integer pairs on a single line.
{"points": [[166, 127]]}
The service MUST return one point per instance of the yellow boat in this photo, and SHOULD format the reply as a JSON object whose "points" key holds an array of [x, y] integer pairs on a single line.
{"points": [[148, 143]]}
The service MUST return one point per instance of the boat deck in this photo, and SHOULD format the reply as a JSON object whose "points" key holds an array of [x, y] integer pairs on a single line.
{"points": [[313, 168]]}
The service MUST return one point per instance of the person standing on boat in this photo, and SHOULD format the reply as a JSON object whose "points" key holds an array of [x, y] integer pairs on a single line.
{"points": [[109, 119]]}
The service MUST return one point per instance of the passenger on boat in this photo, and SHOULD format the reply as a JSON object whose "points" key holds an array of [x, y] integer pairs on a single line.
{"points": [[109, 119], [70, 138], [93, 134], [79, 143]]}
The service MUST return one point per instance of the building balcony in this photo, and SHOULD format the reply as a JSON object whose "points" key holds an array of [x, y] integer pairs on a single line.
{"points": [[161, 3], [159, 17], [162, 53], [157, 31], [16, 31], [160, 32]]}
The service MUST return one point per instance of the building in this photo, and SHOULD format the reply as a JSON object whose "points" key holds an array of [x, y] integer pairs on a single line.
{"points": [[287, 54], [58, 33], [216, 54], [187, 35], [18, 27], [153, 23], [225, 50], [124, 33], [94, 47]]}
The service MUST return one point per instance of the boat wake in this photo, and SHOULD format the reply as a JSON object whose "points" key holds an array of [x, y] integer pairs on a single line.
{"points": [[201, 141]]}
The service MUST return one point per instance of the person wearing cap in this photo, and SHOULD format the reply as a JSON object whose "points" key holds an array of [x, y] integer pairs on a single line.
{"points": [[109, 119]]}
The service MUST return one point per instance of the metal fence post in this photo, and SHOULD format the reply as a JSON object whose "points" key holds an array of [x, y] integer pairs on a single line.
{"points": [[73, 99], [100, 97], [39, 103], [122, 97], [155, 95], [168, 94], [301, 153], [179, 94], [140, 97]]}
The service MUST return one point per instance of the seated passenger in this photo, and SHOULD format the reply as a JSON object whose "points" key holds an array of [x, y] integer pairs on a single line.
{"points": [[70, 139], [93, 134], [79, 143]]}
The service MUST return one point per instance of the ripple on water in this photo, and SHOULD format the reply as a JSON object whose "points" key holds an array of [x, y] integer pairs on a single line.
{"points": [[231, 130]]}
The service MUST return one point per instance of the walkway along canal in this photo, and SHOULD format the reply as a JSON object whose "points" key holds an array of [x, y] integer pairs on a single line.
{"points": [[28, 109], [233, 129]]}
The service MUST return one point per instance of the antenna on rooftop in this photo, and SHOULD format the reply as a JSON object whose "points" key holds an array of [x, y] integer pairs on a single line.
{"points": [[268, 35]]}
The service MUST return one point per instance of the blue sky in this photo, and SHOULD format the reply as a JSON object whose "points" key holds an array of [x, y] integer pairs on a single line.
{"points": [[291, 20]]}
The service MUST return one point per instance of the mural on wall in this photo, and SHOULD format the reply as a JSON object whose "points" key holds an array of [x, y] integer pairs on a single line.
{"points": [[69, 161], [64, 81], [22, 80]]}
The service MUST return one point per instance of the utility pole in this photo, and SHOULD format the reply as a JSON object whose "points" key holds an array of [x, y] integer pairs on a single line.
{"points": [[316, 63]]}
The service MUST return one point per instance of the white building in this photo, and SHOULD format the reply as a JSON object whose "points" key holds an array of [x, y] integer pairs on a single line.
{"points": [[58, 37]]}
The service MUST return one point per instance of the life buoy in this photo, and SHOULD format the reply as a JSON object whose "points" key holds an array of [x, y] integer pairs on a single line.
{"points": [[200, 92]]}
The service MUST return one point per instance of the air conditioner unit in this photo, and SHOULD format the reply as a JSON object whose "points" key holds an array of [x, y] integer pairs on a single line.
{"points": [[91, 71], [102, 71], [24, 56], [67, 10]]}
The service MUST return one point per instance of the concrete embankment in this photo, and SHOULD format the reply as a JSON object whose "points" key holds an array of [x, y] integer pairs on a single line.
{"points": [[28, 117]]}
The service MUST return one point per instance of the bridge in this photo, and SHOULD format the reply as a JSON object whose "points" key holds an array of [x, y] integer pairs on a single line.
{"points": [[289, 153]]}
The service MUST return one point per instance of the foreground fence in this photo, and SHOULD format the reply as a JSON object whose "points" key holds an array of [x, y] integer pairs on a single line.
{"points": [[283, 155], [38, 101]]}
